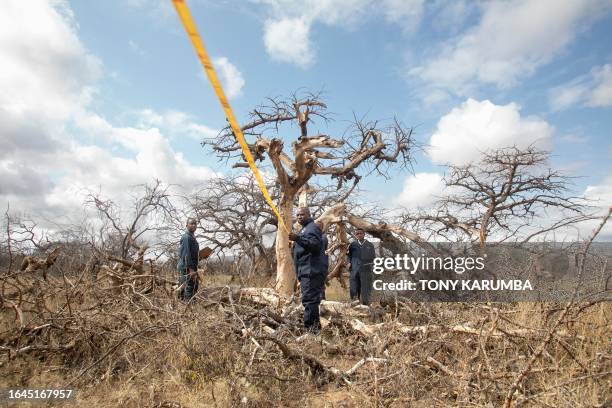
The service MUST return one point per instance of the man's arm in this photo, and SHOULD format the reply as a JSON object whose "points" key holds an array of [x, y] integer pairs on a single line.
{"points": [[186, 258], [184, 251], [351, 251], [310, 240], [193, 253]]}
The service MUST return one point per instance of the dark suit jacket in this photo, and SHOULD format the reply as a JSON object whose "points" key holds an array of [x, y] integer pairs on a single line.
{"points": [[361, 254], [324, 256], [307, 257]]}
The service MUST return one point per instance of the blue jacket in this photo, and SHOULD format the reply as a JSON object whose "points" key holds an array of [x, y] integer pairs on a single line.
{"points": [[188, 252], [324, 256], [307, 253]]}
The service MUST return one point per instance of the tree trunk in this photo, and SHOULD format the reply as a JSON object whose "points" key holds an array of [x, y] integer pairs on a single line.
{"points": [[285, 272]]}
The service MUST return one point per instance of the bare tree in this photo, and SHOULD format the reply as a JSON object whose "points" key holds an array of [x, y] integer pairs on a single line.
{"points": [[508, 195], [235, 220], [152, 212], [367, 146], [27, 244]]}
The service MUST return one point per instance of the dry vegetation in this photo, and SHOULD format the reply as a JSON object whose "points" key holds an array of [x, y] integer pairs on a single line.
{"points": [[131, 343]]}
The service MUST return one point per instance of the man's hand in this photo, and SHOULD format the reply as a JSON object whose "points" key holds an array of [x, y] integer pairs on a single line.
{"points": [[192, 274], [292, 236]]}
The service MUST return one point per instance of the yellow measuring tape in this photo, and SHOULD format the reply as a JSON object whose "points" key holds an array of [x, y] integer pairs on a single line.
{"points": [[198, 44]]}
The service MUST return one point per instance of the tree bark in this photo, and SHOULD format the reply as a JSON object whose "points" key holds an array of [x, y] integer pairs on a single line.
{"points": [[285, 272]]}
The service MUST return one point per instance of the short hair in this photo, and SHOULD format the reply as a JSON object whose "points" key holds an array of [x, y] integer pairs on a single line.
{"points": [[359, 229], [305, 209], [191, 219]]}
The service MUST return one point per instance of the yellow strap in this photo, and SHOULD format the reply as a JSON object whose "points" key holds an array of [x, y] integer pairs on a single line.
{"points": [[198, 44]]}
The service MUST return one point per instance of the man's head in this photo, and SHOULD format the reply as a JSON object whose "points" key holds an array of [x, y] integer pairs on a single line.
{"points": [[360, 234], [192, 224], [303, 215]]}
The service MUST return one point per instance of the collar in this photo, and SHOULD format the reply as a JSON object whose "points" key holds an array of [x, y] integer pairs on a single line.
{"points": [[308, 221]]}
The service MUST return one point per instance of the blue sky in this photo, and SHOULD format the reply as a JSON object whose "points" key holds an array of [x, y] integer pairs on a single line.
{"points": [[120, 74]]}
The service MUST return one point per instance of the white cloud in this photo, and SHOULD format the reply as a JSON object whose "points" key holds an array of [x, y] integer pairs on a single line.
{"points": [[45, 72], [287, 40], [420, 190], [601, 196], [593, 90], [435, 96], [49, 183], [231, 78], [173, 123], [47, 79], [287, 31], [511, 40], [450, 16], [565, 96], [474, 127], [602, 94], [150, 157]]}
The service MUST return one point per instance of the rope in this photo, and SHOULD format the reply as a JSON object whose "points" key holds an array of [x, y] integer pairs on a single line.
{"points": [[198, 45]]}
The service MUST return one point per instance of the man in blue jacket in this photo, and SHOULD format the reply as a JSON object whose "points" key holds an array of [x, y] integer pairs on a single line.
{"points": [[309, 267], [188, 261], [361, 254]]}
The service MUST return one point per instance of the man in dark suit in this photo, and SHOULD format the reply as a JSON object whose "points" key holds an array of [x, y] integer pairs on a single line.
{"points": [[309, 267], [188, 261], [361, 254]]}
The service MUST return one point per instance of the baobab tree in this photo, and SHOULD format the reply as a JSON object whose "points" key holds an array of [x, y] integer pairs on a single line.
{"points": [[367, 147]]}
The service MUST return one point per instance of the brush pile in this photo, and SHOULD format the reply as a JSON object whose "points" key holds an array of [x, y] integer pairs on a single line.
{"points": [[124, 338]]}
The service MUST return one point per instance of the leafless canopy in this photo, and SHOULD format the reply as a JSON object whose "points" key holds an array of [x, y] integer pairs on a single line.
{"points": [[152, 209], [234, 218], [366, 143], [502, 195]]}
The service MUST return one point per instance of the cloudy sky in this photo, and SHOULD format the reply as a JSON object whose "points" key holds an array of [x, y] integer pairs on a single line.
{"points": [[104, 95]]}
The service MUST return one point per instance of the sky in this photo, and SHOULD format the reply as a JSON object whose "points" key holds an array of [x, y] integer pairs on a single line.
{"points": [[100, 96]]}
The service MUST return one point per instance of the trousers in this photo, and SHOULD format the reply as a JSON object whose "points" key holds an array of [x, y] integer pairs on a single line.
{"points": [[361, 284], [190, 288], [365, 278], [311, 286], [354, 284]]}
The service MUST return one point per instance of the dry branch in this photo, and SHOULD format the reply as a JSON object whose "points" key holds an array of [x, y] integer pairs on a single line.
{"points": [[32, 264]]}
